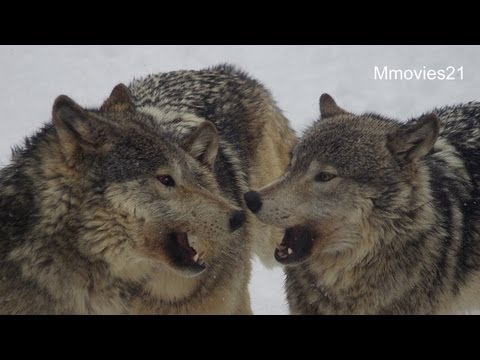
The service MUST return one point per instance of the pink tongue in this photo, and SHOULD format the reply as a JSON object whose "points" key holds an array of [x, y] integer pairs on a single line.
{"points": [[182, 239]]}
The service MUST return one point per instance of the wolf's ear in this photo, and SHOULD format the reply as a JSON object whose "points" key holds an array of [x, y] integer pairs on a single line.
{"points": [[202, 143], [328, 107], [119, 100], [413, 141], [76, 130]]}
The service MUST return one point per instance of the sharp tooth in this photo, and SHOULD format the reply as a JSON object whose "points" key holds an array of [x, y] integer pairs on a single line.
{"points": [[195, 258], [289, 251]]}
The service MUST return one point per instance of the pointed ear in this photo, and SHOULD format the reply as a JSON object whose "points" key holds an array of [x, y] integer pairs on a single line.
{"points": [[74, 127], [329, 108], [202, 143], [413, 141], [119, 100]]}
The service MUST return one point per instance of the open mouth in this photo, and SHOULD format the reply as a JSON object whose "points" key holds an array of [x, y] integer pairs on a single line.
{"points": [[183, 254], [296, 245]]}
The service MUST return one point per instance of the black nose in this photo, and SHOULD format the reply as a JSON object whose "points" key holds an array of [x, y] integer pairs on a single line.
{"points": [[253, 200], [237, 220]]}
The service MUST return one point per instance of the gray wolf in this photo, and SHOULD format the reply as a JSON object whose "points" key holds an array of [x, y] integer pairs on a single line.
{"points": [[381, 217], [135, 207]]}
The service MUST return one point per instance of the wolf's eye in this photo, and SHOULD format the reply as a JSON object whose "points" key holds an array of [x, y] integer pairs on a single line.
{"points": [[166, 180], [324, 177]]}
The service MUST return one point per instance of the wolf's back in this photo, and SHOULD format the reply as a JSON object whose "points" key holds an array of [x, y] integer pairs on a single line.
{"points": [[204, 92]]}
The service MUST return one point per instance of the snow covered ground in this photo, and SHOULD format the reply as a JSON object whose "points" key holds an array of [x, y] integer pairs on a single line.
{"points": [[31, 77]]}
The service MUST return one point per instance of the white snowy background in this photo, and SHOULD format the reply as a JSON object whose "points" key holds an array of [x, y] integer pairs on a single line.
{"points": [[31, 77]]}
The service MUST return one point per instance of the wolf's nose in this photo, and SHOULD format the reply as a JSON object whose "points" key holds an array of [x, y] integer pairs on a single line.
{"points": [[237, 220], [253, 200]]}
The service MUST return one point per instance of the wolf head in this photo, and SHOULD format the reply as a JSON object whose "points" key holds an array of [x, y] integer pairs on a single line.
{"points": [[345, 172], [144, 195]]}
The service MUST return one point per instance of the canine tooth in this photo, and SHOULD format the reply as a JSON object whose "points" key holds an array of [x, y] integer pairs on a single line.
{"points": [[195, 257], [289, 251]]}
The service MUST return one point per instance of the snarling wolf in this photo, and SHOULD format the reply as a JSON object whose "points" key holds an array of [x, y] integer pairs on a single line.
{"points": [[136, 207], [381, 217]]}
